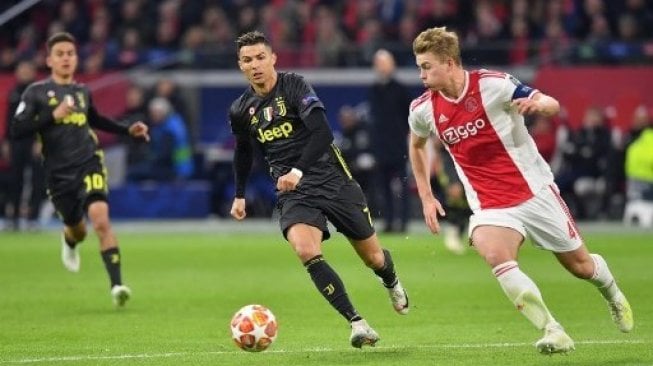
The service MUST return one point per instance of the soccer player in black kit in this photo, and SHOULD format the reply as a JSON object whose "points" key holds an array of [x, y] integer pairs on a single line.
{"points": [[281, 112], [61, 113]]}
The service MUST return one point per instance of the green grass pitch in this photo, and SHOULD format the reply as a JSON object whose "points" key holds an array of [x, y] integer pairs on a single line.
{"points": [[187, 285]]}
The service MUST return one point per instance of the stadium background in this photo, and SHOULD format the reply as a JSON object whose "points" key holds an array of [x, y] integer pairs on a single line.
{"points": [[189, 276], [586, 53]]}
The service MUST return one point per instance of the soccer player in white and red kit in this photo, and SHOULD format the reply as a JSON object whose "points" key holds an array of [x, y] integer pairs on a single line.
{"points": [[478, 115]]}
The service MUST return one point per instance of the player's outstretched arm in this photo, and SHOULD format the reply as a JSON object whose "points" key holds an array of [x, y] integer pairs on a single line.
{"points": [[431, 207]]}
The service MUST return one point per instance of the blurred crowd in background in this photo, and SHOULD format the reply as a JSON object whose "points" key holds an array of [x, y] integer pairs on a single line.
{"points": [[597, 163], [121, 34]]}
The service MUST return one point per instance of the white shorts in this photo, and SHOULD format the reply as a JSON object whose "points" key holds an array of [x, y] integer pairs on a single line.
{"points": [[545, 217]]}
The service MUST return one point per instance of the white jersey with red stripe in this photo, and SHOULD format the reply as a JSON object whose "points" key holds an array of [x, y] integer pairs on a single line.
{"points": [[495, 157]]}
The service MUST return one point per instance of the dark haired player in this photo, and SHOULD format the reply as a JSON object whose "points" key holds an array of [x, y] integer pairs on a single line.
{"points": [[61, 113], [282, 114]]}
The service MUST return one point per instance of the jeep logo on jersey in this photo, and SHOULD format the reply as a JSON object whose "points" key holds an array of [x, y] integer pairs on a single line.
{"points": [[282, 131], [76, 118], [453, 135]]}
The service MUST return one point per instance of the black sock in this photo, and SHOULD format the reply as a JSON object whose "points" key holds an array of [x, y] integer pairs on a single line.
{"points": [[331, 287], [111, 258], [70, 243], [387, 272]]}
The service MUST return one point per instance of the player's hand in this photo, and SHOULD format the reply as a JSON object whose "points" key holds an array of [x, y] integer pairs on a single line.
{"points": [[526, 106], [66, 107], [431, 209], [238, 209], [288, 182], [139, 130]]}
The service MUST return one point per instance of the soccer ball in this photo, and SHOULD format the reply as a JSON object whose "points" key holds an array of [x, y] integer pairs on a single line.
{"points": [[254, 328]]}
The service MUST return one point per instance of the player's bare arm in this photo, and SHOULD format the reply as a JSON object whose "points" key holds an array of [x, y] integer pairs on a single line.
{"points": [[431, 207], [540, 103]]}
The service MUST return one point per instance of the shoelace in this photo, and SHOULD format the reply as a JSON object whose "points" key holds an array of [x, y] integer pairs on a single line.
{"points": [[397, 295], [616, 309]]}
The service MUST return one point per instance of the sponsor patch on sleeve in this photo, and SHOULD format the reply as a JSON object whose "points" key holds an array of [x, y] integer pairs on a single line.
{"points": [[310, 99]]}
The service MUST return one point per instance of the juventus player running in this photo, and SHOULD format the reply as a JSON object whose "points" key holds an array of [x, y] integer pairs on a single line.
{"points": [[282, 114], [62, 113], [478, 116]]}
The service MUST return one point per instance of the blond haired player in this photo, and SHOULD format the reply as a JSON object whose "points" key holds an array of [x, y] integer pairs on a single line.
{"points": [[478, 115]]}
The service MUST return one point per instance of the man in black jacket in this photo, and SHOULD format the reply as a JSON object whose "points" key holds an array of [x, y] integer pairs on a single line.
{"points": [[389, 105], [24, 155]]}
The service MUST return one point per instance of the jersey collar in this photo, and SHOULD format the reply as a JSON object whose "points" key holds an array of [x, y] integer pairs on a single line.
{"points": [[462, 94]]}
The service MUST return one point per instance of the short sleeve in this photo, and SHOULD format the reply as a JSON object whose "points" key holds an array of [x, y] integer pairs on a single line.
{"points": [[301, 95], [419, 124]]}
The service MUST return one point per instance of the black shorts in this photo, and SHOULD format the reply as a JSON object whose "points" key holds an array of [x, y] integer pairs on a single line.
{"points": [[74, 190], [348, 212]]}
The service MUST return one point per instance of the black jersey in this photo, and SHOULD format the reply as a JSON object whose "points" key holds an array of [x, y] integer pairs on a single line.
{"points": [[276, 123], [69, 142]]}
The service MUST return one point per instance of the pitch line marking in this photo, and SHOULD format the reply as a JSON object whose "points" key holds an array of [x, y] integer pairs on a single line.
{"points": [[323, 350]]}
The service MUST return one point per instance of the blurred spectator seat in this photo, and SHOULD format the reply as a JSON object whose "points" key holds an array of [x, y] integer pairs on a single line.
{"points": [[155, 200]]}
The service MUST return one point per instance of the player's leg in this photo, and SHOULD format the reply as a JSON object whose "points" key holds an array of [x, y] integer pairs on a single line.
{"points": [[305, 228], [562, 237], [306, 242], [350, 215], [499, 246], [70, 209], [72, 236], [98, 214], [380, 261], [97, 209], [593, 268]]}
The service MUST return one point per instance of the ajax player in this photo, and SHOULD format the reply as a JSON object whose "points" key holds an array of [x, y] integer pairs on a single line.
{"points": [[478, 116]]}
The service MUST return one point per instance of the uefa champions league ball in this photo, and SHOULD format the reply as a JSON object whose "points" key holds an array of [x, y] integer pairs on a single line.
{"points": [[254, 328]]}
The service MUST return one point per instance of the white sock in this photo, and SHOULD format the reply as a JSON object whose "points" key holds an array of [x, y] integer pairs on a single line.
{"points": [[515, 284], [603, 279]]}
